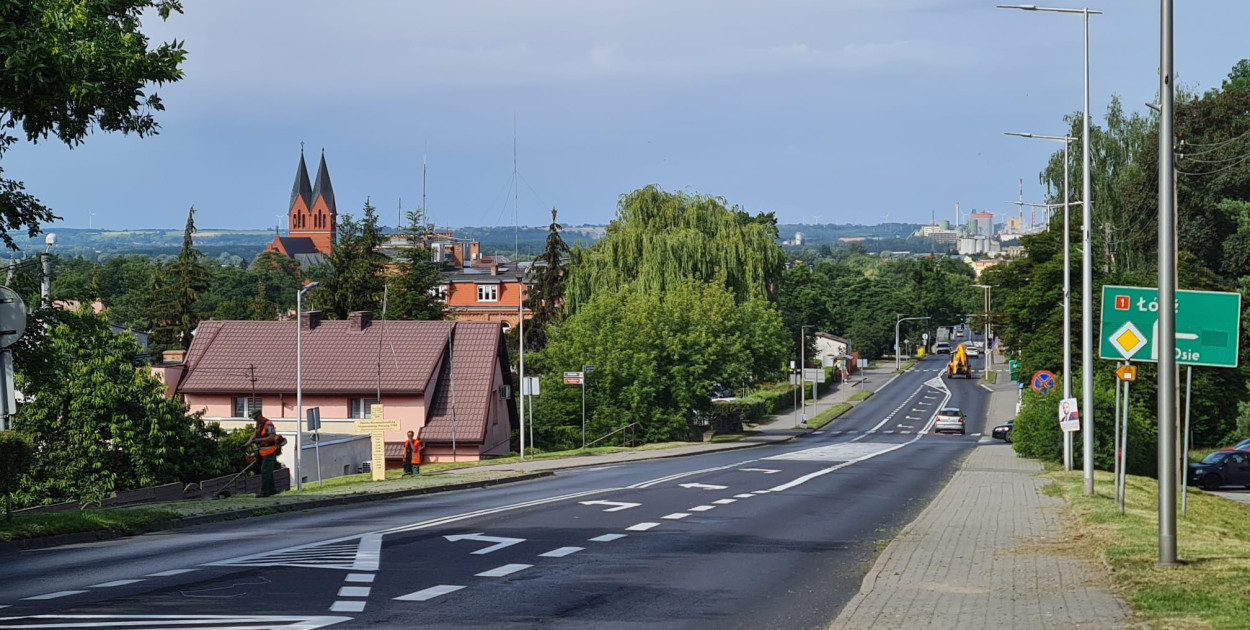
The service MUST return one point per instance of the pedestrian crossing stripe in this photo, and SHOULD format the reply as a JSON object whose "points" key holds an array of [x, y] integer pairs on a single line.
{"points": [[841, 452], [360, 553], [171, 622]]}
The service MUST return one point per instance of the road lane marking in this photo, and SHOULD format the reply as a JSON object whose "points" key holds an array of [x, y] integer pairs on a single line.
{"points": [[359, 553], [675, 516], [702, 486], [725, 501], [114, 583], [169, 573], [55, 595], [617, 505], [608, 537], [701, 508], [641, 527], [887, 432], [203, 622], [760, 491], [354, 591], [500, 542], [766, 471], [347, 606], [429, 593], [561, 552], [743, 496], [507, 569], [359, 577], [600, 468], [652, 482]]}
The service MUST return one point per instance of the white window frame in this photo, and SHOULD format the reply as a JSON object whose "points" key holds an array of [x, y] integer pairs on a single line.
{"points": [[361, 408], [247, 404], [487, 293], [439, 292]]}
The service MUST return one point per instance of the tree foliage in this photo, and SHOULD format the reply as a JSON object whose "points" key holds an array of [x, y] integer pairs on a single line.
{"points": [[416, 281], [355, 279], [696, 335], [545, 296], [68, 68], [100, 421], [177, 296], [17, 455], [660, 239]]}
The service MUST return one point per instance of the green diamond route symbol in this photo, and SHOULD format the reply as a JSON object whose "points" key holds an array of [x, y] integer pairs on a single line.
{"points": [[1127, 340]]}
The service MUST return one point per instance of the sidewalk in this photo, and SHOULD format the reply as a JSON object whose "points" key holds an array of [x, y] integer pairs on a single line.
{"points": [[969, 561], [870, 380]]}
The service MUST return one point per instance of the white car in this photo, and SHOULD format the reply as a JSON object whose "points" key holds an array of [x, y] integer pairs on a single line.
{"points": [[949, 419]]}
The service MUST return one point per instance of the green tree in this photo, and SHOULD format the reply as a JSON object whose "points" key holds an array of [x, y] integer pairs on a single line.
{"points": [[101, 421], [661, 239], [68, 68], [184, 281], [356, 275], [545, 297], [17, 455], [281, 276], [416, 280]]}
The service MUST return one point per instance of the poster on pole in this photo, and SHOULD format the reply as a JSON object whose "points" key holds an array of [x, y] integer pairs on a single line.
{"points": [[1069, 416]]}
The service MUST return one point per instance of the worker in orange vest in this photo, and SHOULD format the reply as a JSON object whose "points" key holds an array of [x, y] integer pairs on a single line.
{"points": [[266, 439], [412, 456]]}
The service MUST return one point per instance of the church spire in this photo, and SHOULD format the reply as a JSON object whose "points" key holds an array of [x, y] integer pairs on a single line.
{"points": [[323, 188], [302, 189]]}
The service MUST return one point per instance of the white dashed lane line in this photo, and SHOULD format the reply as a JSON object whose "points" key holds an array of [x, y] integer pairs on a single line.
{"points": [[743, 496], [114, 583], [169, 573], [355, 591], [55, 595], [561, 552], [429, 593], [347, 606], [359, 577], [507, 569], [725, 501], [608, 537], [701, 508], [676, 516], [641, 527]]}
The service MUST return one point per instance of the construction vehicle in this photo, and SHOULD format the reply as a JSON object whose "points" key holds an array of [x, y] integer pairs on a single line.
{"points": [[959, 364]]}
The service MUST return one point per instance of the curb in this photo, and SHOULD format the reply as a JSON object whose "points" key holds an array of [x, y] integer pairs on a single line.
{"points": [[178, 523]]}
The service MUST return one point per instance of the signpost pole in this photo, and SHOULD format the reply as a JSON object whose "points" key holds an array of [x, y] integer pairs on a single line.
{"points": [[1115, 454], [1189, 384], [583, 410], [1124, 452], [1166, 340]]}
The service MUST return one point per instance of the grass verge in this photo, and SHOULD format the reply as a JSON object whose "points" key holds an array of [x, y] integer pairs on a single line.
{"points": [[731, 437], [828, 415], [989, 377], [906, 365], [860, 395], [35, 526], [1213, 541]]}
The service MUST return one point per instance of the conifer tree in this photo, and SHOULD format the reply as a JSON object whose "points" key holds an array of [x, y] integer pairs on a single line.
{"points": [[178, 291], [356, 278], [545, 299], [416, 281]]}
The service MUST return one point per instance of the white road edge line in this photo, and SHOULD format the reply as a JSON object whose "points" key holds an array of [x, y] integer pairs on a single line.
{"points": [[429, 593]]}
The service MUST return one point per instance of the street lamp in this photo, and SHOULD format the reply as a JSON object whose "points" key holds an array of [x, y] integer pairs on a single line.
{"points": [[897, 348], [1087, 276], [1067, 288], [520, 312], [989, 359], [299, 377], [803, 369]]}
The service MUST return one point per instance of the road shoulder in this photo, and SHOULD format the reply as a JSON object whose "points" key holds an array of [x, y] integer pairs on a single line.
{"points": [[976, 556]]}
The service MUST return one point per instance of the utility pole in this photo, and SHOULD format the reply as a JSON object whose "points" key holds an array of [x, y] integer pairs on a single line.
{"points": [[1166, 337]]}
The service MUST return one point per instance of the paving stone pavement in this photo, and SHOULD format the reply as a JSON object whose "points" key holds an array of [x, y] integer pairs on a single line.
{"points": [[963, 563]]}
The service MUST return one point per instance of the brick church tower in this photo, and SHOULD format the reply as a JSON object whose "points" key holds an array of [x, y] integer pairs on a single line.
{"points": [[312, 217]]}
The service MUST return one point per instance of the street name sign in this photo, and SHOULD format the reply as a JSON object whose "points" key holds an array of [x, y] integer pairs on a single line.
{"points": [[1208, 326], [376, 427]]}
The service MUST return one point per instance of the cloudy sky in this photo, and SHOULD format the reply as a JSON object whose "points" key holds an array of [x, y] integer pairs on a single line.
{"points": [[823, 111]]}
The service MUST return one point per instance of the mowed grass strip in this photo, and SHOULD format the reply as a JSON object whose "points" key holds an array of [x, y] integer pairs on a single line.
{"points": [[828, 415], [35, 526], [1210, 590], [860, 396]]}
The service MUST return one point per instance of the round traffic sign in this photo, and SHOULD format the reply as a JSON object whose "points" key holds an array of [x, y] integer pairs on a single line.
{"points": [[12, 317], [1044, 382]]}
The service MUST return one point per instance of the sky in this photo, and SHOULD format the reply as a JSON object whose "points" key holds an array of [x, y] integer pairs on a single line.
{"points": [[822, 111]]}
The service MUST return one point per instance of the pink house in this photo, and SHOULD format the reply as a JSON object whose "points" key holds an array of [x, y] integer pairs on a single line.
{"points": [[430, 376]]}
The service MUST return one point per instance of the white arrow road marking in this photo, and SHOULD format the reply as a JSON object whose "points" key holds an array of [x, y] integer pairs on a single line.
{"points": [[702, 486], [641, 527], [507, 569], [608, 537], [500, 542], [429, 593], [619, 505], [561, 552], [200, 622], [766, 471]]}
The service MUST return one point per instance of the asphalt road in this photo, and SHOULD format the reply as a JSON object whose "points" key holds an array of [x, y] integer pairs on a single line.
{"points": [[777, 536]]}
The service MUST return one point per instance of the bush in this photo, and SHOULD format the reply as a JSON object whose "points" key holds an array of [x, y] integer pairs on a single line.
{"points": [[17, 455]]}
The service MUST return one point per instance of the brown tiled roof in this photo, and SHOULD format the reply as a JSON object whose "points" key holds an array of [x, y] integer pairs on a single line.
{"points": [[477, 353], [336, 360]]}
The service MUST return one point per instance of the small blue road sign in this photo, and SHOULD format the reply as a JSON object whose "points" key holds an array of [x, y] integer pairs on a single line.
{"points": [[1043, 382]]}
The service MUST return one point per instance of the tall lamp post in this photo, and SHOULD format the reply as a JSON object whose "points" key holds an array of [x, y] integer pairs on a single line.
{"points": [[803, 369], [299, 377], [1087, 276], [520, 312], [897, 348], [989, 360], [1067, 287]]}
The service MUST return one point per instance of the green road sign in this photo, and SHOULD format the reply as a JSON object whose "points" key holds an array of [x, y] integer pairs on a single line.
{"points": [[1208, 326]]}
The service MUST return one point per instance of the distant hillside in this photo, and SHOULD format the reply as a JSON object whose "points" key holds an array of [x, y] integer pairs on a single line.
{"points": [[246, 244]]}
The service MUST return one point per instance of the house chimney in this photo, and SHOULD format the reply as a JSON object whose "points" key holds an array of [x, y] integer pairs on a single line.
{"points": [[494, 269], [308, 320], [173, 356], [359, 320]]}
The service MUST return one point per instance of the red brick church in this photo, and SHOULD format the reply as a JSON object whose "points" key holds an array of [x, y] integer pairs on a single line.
{"points": [[311, 219]]}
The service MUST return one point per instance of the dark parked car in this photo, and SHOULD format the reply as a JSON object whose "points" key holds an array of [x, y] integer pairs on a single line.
{"points": [[1243, 445], [1221, 468], [1003, 431], [720, 392]]}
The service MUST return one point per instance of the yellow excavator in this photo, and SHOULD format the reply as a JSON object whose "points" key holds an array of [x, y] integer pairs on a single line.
{"points": [[959, 364]]}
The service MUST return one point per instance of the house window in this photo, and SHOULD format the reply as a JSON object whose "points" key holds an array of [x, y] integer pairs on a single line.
{"points": [[243, 407], [359, 408], [487, 293], [439, 292]]}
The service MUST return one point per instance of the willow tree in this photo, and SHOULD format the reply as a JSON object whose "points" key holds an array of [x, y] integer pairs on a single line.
{"points": [[661, 239]]}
